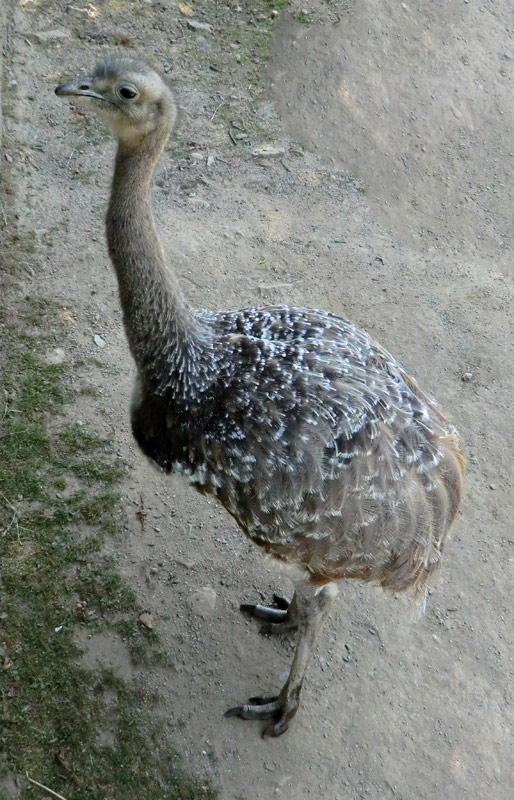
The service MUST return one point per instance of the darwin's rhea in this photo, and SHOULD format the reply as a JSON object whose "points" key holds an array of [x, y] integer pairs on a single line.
{"points": [[311, 435]]}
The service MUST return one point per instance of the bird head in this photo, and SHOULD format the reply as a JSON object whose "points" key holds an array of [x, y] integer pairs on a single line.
{"points": [[128, 96]]}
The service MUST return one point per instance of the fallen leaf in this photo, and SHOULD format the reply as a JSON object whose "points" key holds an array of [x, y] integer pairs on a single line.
{"points": [[6, 663], [67, 316], [186, 9], [126, 41], [63, 756]]}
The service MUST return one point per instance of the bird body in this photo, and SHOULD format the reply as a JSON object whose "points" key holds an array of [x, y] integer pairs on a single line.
{"points": [[314, 439], [309, 433]]}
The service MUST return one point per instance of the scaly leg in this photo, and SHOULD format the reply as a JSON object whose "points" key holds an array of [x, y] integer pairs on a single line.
{"points": [[281, 618], [311, 612]]}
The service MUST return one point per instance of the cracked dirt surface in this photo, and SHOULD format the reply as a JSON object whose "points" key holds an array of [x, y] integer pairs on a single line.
{"points": [[391, 707]]}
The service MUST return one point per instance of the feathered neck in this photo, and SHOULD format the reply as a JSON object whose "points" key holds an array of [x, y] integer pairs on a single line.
{"points": [[168, 342]]}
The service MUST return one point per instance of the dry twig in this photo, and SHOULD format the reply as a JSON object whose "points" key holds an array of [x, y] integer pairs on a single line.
{"points": [[45, 788]]}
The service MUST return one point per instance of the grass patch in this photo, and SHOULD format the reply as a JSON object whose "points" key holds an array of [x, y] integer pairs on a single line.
{"points": [[104, 589], [86, 734], [143, 645], [278, 5]]}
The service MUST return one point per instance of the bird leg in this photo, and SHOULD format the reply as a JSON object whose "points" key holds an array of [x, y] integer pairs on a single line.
{"points": [[311, 612], [281, 617]]}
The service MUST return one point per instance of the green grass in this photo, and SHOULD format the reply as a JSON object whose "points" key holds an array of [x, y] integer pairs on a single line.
{"points": [[84, 733], [278, 5]]}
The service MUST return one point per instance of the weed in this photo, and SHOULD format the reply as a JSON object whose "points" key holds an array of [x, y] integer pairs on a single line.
{"points": [[278, 5]]}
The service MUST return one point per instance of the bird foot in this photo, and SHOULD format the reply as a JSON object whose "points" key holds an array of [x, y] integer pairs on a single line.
{"points": [[280, 709], [279, 618]]}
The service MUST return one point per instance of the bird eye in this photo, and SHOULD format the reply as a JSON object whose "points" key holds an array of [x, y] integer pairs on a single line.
{"points": [[126, 91]]}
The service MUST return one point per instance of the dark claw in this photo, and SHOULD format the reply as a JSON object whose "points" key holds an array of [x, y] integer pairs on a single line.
{"points": [[233, 712]]}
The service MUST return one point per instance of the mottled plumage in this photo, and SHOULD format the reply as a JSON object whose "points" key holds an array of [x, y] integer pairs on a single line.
{"points": [[311, 435], [316, 441]]}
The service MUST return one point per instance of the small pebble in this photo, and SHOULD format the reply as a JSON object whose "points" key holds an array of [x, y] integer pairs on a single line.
{"points": [[184, 563], [467, 377], [55, 356], [99, 341], [56, 35], [268, 151], [196, 25]]}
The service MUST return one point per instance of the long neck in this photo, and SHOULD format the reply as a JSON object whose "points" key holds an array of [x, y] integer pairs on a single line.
{"points": [[162, 332]]}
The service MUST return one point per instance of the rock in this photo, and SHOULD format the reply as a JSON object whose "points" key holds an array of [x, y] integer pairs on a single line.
{"points": [[196, 25], [268, 151], [185, 9], [146, 620], [55, 35], [467, 377], [99, 341], [203, 601], [185, 563], [55, 356]]}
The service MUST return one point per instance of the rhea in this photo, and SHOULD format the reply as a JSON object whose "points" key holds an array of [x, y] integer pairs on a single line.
{"points": [[309, 433]]}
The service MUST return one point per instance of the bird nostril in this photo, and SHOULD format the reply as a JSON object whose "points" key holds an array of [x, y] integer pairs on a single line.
{"points": [[84, 86]]}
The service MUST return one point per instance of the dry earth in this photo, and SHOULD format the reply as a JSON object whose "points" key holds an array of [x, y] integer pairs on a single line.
{"points": [[415, 100]]}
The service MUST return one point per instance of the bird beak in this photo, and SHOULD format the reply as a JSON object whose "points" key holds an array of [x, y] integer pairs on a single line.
{"points": [[80, 87]]}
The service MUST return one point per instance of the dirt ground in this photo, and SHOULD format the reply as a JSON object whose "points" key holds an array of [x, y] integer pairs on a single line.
{"points": [[398, 214]]}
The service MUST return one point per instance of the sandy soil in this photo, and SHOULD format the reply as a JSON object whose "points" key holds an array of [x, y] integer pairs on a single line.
{"points": [[416, 103]]}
